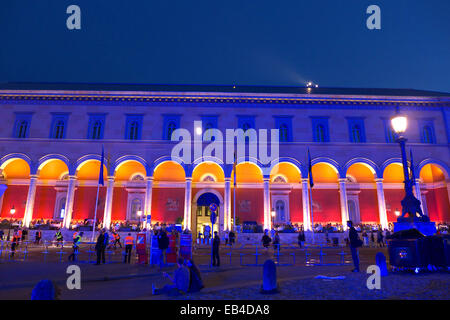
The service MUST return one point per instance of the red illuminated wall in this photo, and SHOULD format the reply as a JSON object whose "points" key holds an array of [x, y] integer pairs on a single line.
{"points": [[296, 206], [256, 198], [438, 205], [44, 203], [119, 207], [392, 198], [160, 211], [368, 206], [329, 206], [84, 203], [17, 196]]}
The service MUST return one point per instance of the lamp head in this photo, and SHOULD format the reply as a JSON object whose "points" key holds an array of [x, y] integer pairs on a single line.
{"points": [[13, 210], [399, 123]]}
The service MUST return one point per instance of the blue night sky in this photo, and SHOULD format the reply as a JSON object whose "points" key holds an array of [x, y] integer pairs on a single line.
{"points": [[242, 42]]}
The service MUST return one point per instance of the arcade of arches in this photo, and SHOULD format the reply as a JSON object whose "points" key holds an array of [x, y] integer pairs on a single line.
{"points": [[169, 196]]}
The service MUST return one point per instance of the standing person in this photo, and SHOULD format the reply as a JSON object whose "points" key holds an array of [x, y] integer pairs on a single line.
{"points": [[215, 250], [38, 237], [14, 242], [106, 239], [380, 241], [129, 241], [232, 237], [1, 234], [59, 238], [226, 237], [372, 238], [276, 241], [24, 234], [355, 243], [163, 244], [75, 246], [365, 237], [100, 247], [301, 238]]}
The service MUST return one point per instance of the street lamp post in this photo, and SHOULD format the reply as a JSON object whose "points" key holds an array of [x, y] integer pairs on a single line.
{"points": [[410, 204]]}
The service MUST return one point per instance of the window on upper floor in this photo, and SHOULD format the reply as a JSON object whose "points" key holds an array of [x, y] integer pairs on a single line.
{"points": [[133, 126], [209, 122], [356, 130], [59, 125], [96, 126], [427, 134], [246, 122], [320, 129], [171, 122], [22, 125], [284, 125], [388, 131]]}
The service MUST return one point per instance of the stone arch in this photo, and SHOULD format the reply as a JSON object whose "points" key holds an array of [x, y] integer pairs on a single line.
{"points": [[127, 158], [372, 166]]}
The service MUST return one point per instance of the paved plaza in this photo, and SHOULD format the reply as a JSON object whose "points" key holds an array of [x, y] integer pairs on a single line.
{"points": [[239, 279]]}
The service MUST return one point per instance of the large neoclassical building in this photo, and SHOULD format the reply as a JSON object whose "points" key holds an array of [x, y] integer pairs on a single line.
{"points": [[51, 138]]}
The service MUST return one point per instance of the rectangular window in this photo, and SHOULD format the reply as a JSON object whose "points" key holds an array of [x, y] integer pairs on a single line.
{"points": [[356, 130], [171, 122], [209, 122], [320, 129], [133, 126], [58, 127], [22, 125], [388, 131], [426, 127], [246, 122], [96, 125], [284, 125]]}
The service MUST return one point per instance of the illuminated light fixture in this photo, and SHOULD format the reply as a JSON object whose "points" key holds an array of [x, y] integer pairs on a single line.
{"points": [[397, 213], [273, 213], [139, 213], [198, 130], [399, 123], [13, 210]]}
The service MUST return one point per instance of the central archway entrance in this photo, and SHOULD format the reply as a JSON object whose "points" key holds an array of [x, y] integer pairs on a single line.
{"points": [[201, 214]]}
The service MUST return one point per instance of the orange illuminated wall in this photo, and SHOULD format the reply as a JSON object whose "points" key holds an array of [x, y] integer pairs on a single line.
{"points": [[44, 203], [393, 197], [84, 203], [256, 198], [17, 196], [438, 205], [17, 169], [119, 207], [167, 204], [208, 168], [329, 206], [169, 171], [296, 206], [368, 206]]}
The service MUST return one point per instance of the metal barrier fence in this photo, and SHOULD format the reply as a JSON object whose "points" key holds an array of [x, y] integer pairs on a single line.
{"points": [[58, 250]]}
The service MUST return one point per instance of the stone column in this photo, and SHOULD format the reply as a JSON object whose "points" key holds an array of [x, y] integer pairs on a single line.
{"points": [[306, 205], [28, 215], [108, 202], [227, 204], [187, 204], [267, 222], [344, 205], [70, 197], [148, 197], [381, 204]]}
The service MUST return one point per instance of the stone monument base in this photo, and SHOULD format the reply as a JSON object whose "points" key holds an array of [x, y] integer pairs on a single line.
{"points": [[427, 228]]}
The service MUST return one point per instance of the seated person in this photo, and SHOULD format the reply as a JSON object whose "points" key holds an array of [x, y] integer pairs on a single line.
{"points": [[180, 281], [195, 279]]}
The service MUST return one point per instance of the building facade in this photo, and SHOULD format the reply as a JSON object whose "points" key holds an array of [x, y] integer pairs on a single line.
{"points": [[51, 144]]}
